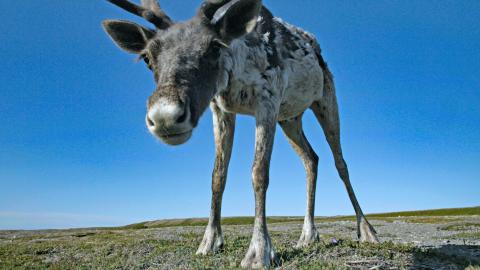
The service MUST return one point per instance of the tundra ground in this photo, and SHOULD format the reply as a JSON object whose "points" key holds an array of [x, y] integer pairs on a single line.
{"points": [[441, 239]]}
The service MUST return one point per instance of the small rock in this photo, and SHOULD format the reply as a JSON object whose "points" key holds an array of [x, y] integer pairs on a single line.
{"points": [[334, 241]]}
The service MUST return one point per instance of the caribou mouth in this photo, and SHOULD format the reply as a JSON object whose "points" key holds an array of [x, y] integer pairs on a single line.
{"points": [[175, 139], [177, 136]]}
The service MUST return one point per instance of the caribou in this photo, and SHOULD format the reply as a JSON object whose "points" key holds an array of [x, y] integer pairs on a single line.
{"points": [[235, 57]]}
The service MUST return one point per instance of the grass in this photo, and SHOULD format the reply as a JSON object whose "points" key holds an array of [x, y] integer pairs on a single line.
{"points": [[171, 244], [427, 216], [462, 227], [121, 250], [471, 211], [203, 222], [467, 235], [146, 249]]}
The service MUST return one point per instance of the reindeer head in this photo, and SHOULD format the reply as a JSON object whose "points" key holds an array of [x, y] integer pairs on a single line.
{"points": [[184, 58]]}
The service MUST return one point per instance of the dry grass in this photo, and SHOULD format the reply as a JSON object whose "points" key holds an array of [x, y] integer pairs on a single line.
{"points": [[172, 244]]}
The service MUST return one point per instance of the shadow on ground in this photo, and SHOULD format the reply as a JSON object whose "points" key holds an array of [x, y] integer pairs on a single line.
{"points": [[353, 255], [447, 257]]}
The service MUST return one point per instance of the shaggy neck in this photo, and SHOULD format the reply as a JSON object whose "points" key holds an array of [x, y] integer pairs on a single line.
{"points": [[225, 74]]}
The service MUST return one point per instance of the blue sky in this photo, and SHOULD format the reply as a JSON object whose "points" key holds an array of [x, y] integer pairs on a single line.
{"points": [[74, 150]]}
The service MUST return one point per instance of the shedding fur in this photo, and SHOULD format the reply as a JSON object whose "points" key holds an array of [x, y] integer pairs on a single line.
{"points": [[238, 58]]}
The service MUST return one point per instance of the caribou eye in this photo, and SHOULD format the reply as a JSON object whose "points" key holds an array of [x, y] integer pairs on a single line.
{"points": [[145, 59]]}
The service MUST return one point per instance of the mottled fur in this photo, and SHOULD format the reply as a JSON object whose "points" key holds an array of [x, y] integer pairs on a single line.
{"points": [[237, 57]]}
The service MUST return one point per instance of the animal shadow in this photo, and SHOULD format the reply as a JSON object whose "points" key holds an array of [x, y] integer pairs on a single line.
{"points": [[448, 257]]}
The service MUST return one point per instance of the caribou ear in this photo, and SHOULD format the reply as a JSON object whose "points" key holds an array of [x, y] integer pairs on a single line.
{"points": [[236, 18], [129, 36]]}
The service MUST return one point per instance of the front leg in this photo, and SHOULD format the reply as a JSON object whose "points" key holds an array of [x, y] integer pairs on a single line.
{"points": [[261, 252], [224, 129]]}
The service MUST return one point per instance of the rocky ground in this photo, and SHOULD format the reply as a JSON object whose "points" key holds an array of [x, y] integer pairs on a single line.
{"points": [[450, 242]]}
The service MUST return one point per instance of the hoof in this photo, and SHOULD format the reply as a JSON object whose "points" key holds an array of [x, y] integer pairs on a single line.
{"points": [[308, 237], [260, 254], [367, 232], [212, 242]]}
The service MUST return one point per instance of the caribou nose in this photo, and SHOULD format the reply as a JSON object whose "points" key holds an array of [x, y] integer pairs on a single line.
{"points": [[164, 114]]}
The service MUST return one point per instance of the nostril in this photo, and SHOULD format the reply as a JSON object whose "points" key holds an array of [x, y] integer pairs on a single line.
{"points": [[150, 122], [183, 117]]}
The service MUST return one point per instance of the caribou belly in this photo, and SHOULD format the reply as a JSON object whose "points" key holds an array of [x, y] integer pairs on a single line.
{"points": [[305, 85]]}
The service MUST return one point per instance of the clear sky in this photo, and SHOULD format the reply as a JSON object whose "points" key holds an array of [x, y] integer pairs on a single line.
{"points": [[74, 150]]}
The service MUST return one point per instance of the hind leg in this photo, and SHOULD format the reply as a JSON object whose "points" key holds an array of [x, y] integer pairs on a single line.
{"points": [[326, 112], [294, 132]]}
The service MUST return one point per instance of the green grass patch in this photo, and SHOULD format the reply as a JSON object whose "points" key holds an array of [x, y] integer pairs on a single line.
{"points": [[467, 235], [470, 211], [427, 216], [462, 227], [155, 249], [430, 220], [200, 222]]}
